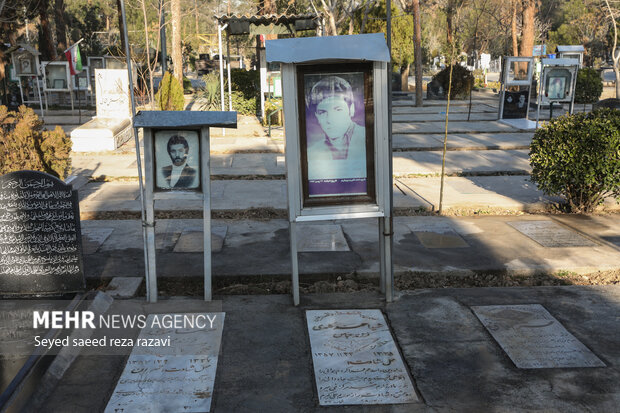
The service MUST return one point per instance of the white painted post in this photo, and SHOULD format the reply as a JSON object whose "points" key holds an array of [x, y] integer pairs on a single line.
{"points": [[206, 210], [149, 221], [294, 262], [382, 260]]}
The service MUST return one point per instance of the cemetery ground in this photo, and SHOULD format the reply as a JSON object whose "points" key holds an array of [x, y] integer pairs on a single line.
{"points": [[498, 233]]}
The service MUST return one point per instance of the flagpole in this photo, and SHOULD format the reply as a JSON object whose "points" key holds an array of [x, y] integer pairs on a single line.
{"points": [[77, 82]]}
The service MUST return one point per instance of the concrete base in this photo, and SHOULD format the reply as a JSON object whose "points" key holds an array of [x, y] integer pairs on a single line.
{"points": [[101, 134], [523, 124]]}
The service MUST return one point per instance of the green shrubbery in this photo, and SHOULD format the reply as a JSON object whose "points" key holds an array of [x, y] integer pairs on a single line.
{"points": [[245, 92], [25, 145], [578, 157], [462, 81], [589, 86], [170, 94]]}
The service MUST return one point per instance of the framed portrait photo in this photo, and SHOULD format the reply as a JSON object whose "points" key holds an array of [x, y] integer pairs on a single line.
{"points": [[336, 128], [177, 160], [557, 84]]}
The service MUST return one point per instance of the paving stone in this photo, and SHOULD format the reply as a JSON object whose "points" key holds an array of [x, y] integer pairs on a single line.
{"points": [[316, 238], [356, 360], [549, 234], [191, 239], [437, 234], [124, 287], [93, 238], [533, 338]]}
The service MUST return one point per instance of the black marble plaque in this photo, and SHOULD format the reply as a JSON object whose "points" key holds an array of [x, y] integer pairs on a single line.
{"points": [[40, 237]]}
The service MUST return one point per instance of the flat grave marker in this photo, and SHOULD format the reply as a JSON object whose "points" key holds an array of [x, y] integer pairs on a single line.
{"points": [[178, 378], [551, 234], [533, 338], [317, 238], [40, 237], [356, 360]]}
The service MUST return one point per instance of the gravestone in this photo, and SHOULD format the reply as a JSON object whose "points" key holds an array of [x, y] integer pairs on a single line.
{"points": [[112, 126], [40, 238], [356, 360], [178, 377], [434, 90], [533, 338], [551, 235], [437, 235], [322, 238]]}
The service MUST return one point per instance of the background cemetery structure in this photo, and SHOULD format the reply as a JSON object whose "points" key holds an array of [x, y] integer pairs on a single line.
{"points": [[297, 54], [557, 84], [515, 91]]}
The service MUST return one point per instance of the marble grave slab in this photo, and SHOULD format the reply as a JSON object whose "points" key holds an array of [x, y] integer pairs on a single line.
{"points": [[355, 358], [551, 234], [533, 338], [178, 378]]}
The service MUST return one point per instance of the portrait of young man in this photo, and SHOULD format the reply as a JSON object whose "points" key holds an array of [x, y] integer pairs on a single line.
{"points": [[177, 160], [335, 134]]}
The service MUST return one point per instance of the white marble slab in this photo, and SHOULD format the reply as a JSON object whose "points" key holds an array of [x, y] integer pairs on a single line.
{"points": [[178, 378], [356, 360], [316, 238], [533, 338], [550, 234]]}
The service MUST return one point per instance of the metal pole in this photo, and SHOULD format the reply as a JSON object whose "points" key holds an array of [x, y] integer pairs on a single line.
{"points": [[228, 64], [219, 39], [150, 283], [388, 227], [36, 78]]}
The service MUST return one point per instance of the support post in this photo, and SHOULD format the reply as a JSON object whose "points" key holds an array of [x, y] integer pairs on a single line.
{"points": [[228, 65], [206, 212], [294, 262], [382, 260], [148, 230], [219, 39]]}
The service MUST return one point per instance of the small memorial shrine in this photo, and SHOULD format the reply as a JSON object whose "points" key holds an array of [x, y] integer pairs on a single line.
{"points": [[515, 92], [335, 96], [27, 73], [557, 85], [40, 237], [177, 165]]}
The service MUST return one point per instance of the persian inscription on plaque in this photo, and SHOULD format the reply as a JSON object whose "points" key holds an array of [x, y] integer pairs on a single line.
{"points": [[40, 238], [550, 234], [356, 360], [533, 338], [175, 378]]}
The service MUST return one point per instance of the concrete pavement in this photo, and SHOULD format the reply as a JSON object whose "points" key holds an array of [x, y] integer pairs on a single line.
{"points": [[265, 359]]}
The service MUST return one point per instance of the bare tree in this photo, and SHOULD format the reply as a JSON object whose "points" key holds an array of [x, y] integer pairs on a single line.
{"points": [[48, 49], [413, 6], [529, 27], [338, 11], [177, 52], [615, 54]]}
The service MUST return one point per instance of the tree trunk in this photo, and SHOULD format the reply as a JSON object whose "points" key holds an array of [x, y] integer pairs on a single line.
{"points": [[48, 50], [417, 52], [61, 26], [617, 82], [177, 54], [404, 78], [449, 18], [527, 39], [513, 29]]}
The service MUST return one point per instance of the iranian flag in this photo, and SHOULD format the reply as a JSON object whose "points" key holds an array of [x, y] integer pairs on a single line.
{"points": [[74, 58]]}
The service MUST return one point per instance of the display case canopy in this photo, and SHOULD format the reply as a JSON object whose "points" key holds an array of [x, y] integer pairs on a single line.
{"points": [[573, 48], [560, 62], [268, 24], [369, 47], [184, 119]]}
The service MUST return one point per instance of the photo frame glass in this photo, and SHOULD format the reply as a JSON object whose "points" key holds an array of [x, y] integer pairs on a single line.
{"points": [[26, 64], [337, 134], [518, 71], [557, 84], [177, 160]]}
